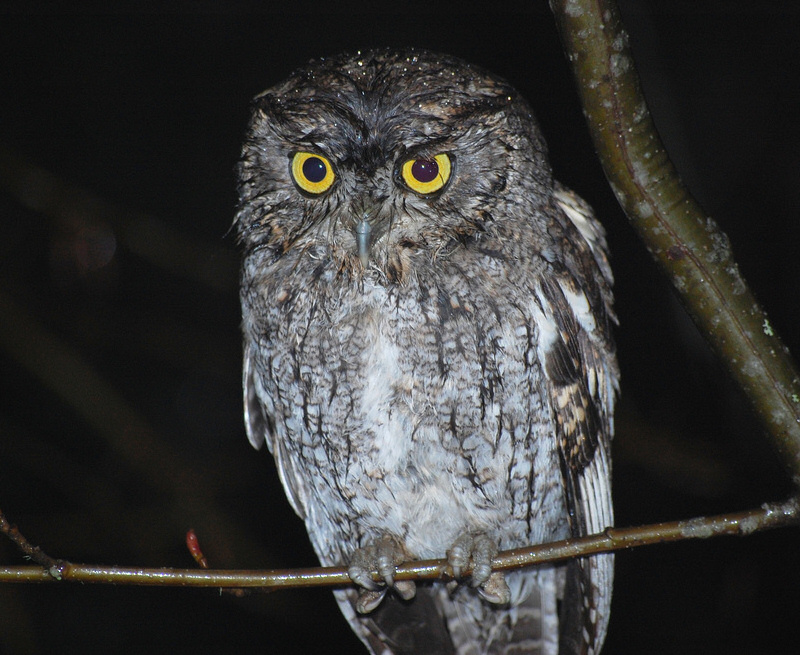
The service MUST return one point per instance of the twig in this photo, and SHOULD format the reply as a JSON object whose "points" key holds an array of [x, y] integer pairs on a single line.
{"points": [[52, 567], [687, 243], [766, 517]]}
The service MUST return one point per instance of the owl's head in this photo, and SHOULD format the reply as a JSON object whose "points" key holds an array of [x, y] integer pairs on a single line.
{"points": [[373, 161]]}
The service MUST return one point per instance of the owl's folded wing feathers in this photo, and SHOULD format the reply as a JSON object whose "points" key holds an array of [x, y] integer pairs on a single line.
{"points": [[582, 382], [261, 429]]}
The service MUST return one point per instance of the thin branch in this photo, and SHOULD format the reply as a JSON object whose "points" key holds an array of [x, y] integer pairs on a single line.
{"points": [[685, 241], [52, 567], [766, 517]]}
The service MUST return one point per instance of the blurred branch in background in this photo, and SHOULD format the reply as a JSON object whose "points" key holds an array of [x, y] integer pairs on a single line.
{"points": [[77, 210], [62, 370], [91, 229], [688, 244]]}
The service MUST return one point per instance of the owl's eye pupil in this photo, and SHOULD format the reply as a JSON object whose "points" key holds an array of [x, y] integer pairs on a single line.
{"points": [[314, 169], [425, 170]]}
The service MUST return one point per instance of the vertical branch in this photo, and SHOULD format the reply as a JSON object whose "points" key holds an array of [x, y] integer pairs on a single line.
{"points": [[687, 243]]}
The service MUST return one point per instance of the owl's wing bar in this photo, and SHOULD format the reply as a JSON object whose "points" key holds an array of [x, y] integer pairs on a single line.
{"points": [[581, 385], [261, 429]]}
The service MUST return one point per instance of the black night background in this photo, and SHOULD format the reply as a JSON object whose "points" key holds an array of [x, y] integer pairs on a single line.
{"points": [[120, 352]]}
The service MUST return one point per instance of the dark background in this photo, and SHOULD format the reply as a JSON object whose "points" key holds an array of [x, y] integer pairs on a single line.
{"points": [[120, 411]]}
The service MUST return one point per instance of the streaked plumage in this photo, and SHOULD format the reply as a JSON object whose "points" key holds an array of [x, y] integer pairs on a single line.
{"points": [[428, 354]]}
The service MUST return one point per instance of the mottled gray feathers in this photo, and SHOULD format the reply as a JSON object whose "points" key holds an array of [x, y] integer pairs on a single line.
{"points": [[429, 360]]}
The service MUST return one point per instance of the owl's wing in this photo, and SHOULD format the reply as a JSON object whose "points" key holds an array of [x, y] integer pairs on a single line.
{"points": [[582, 382], [261, 429]]}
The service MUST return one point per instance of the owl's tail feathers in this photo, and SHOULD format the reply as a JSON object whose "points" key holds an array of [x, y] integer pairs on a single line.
{"points": [[438, 623], [534, 621], [528, 628], [587, 596], [399, 627]]}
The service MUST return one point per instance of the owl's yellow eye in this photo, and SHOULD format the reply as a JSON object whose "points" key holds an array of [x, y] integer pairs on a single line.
{"points": [[426, 176], [312, 173]]}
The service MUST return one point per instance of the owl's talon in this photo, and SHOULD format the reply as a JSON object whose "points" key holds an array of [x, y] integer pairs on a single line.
{"points": [[386, 559], [478, 550], [459, 554], [406, 589], [369, 599], [495, 590], [483, 550], [382, 556], [363, 578]]}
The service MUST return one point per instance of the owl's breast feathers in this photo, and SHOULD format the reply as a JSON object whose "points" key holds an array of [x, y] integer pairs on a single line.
{"points": [[417, 403], [426, 403]]}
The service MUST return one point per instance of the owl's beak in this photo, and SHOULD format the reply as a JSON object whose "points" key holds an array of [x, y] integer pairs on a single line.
{"points": [[363, 233]]}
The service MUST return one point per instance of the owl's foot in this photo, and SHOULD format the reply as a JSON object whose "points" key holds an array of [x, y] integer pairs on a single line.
{"points": [[384, 555], [478, 550]]}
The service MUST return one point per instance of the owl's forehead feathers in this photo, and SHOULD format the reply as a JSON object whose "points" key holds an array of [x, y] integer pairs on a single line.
{"points": [[367, 106]]}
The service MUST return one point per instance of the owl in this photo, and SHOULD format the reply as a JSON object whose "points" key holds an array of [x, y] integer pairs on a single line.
{"points": [[427, 349]]}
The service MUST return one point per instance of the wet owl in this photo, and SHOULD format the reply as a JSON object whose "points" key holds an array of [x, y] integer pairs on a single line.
{"points": [[427, 349]]}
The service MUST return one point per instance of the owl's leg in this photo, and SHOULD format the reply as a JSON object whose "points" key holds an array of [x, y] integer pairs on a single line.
{"points": [[478, 550], [383, 555]]}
